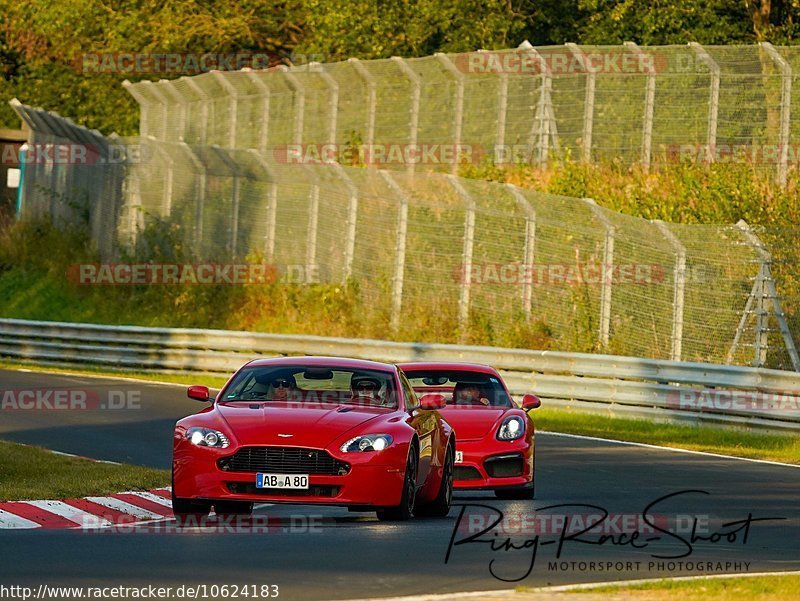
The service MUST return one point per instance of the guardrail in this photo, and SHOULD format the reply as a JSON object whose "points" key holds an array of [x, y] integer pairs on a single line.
{"points": [[698, 392]]}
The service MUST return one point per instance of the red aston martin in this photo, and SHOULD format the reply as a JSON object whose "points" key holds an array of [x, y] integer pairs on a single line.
{"points": [[495, 448], [314, 430]]}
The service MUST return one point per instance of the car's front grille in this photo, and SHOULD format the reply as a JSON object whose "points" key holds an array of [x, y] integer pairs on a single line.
{"points": [[504, 466], [466, 472], [312, 491], [283, 460]]}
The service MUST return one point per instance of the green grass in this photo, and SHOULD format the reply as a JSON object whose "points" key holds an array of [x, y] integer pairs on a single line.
{"points": [[34, 473], [736, 442], [774, 588]]}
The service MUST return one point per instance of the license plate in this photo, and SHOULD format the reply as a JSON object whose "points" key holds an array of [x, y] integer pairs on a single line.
{"points": [[459, 456], [294, 481]]}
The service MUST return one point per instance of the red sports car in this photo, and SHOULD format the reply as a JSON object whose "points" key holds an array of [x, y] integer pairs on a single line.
{"points": [[314, 430], [495, 437]]}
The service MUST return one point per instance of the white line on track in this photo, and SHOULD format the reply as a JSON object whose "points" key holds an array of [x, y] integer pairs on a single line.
{"points": [[148, 496], [124, 507], [12, 521], [73, 514], [661, 448]]}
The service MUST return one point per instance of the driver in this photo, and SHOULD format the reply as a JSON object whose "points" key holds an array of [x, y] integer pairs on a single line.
{"points": [[284, 388], [366, 389], [468, 393]]}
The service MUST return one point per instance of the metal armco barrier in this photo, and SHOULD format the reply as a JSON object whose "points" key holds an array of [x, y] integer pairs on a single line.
{"points": [[624, 386]]}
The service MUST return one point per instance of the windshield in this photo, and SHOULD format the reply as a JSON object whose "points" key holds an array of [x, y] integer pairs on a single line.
{"points": [[304, 384], [460, 388]]}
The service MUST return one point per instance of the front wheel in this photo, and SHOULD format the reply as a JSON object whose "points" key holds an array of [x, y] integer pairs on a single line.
{"points": [[440, 506], [188, 512], [405, 509]]}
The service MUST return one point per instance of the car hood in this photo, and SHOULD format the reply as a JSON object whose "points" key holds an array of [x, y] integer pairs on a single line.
{"points": [[312, 426], [472, 423]]}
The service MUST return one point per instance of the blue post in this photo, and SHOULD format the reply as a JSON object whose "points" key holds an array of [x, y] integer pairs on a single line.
{"points": [[22, 150]]}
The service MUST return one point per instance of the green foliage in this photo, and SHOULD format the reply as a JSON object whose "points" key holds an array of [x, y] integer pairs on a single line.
{"points": [[42, 43]]}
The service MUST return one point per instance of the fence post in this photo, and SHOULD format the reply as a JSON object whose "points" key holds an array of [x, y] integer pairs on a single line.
{"points": [[300, 103], [168, 180], [607, 271], [205, 100], [352, 220], [458, 118], [234, 106], [162, 100], [765, 291], [416, 93], [400, 250], [649, 104], [588, 101], [678, 289], [713, 103], [372, 99], [469, 243], [272, 206], [333, 86], [201, 198], [234, 169], [540, 129], [180, 108], [144, 106], [265, 98], [786, 108], [530, 246], [313, 226]]}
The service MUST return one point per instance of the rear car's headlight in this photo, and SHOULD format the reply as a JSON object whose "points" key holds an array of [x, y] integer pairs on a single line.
{"points": [[366, 443], [206, 437], [512, 428]]}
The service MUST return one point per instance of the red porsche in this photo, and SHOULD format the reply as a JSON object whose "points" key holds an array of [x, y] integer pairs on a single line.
{"points": [[314, 430], [495, 448]]}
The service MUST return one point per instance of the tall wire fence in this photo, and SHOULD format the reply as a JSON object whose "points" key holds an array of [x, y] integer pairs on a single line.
{"points": [[343, 173], [649, 105]]}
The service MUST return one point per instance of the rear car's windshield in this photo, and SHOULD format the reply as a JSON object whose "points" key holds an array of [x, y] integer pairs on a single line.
{"points": [[304, 384], [460, 388]]}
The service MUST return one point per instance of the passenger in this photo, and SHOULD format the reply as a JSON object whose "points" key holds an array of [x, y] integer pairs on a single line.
{"points": [[468, 393]]}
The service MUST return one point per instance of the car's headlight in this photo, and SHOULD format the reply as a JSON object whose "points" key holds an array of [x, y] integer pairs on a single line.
{"points": [[512, 428], [366, 442], [206, 437]]}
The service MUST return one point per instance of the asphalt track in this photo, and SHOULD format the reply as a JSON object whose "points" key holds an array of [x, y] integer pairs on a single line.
{"points": [[328, 553]]}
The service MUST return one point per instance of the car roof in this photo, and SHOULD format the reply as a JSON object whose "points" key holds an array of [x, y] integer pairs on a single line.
{"points": [[445, 366], [332, 362]]}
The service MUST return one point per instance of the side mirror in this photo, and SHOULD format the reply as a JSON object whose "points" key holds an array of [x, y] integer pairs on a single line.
{"points": [[432, 401], [199, 393], [531, 401]]}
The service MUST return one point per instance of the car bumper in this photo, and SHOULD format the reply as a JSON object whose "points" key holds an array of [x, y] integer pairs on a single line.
{"points": [[197, 476], [493, 464]]}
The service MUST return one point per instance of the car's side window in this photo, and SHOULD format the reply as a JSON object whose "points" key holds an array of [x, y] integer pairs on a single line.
{"points": [[412, 402]]}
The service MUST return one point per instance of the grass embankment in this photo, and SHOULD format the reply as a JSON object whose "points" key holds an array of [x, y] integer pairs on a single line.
{"points": [[774, 588], [30, 473]]}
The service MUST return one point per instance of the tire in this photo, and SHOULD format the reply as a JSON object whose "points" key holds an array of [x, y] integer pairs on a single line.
{"points": [[405, 510], [514, 494], [440, 506], [188, 512], [233, 508]]}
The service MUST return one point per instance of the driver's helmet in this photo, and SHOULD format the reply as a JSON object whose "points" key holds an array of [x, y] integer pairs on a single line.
{"points": [[366, 387]]}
